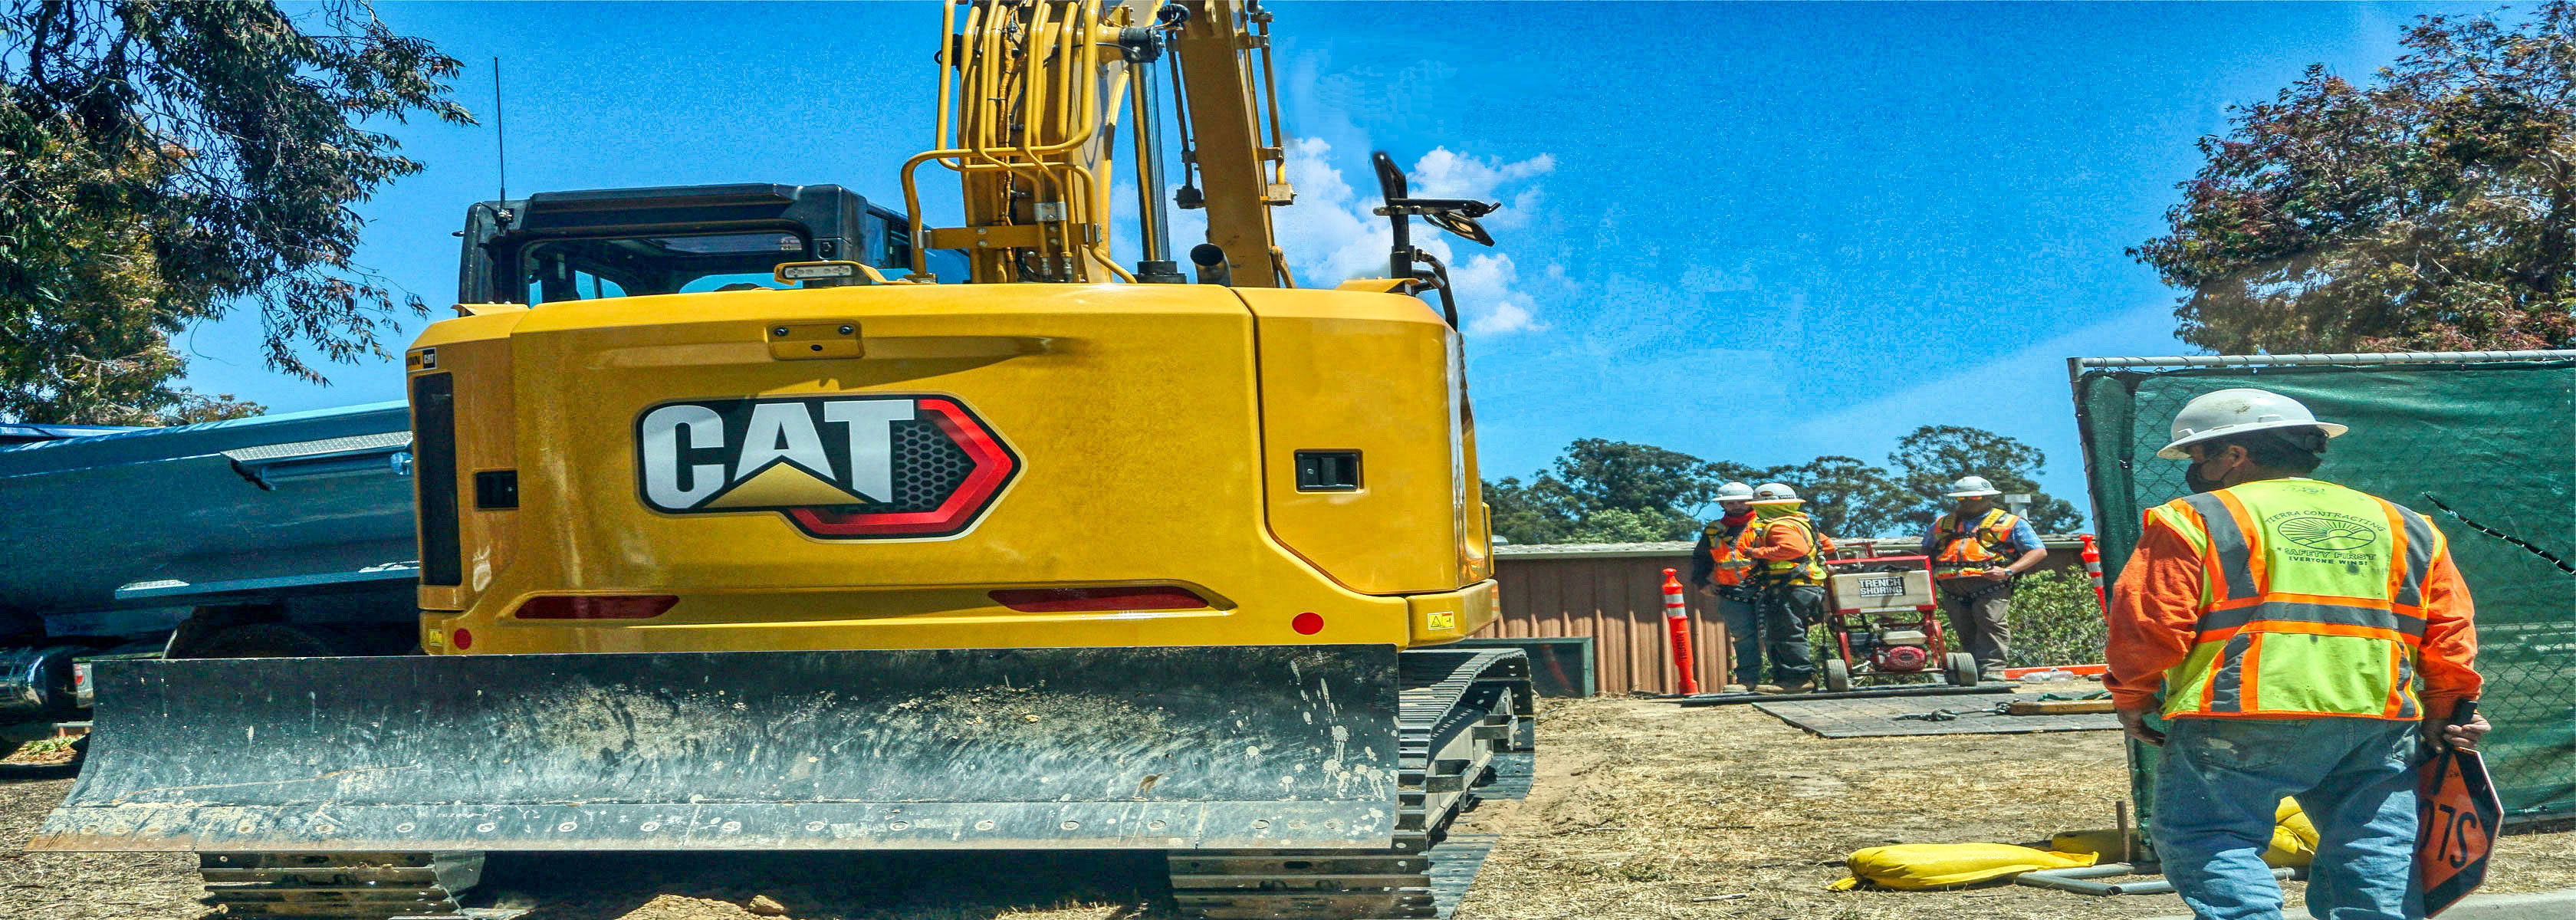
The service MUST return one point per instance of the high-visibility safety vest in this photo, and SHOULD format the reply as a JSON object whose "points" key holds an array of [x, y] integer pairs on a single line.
{"points": [[1732, 564], [1958, 553], [1804, 570], [2311, 602]]}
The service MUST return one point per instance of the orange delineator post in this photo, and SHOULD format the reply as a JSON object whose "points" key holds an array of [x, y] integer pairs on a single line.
{"points": [[1677, 620], [2092, 557]]}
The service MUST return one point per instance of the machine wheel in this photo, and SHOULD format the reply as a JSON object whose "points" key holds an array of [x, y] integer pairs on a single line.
{"points": [[1962, 670], [1837, 675]]}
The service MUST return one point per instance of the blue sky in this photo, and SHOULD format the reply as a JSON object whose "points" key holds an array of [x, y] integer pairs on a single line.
{"points": [[1750, 232]]}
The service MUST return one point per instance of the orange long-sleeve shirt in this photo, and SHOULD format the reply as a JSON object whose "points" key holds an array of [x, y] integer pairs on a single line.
{"points": [[1781, 541], [2155, 612]]}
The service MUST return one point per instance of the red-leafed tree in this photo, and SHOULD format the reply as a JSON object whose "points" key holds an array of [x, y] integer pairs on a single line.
{"points": [[2432, 209]]}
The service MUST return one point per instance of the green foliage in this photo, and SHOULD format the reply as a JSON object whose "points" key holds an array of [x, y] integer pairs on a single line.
{"points": [[1846, 496], [1540, 511], [2056, 620], [1935, 456], [1604, 474], [1603, 491], [2434, 209], [164, 163], [47, 745], [1620, 525]]}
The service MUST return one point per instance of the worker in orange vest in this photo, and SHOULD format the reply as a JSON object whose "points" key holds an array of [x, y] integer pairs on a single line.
{"points": [[1787, 575], [2295, 635], [1977, 550], [1718, 567]]}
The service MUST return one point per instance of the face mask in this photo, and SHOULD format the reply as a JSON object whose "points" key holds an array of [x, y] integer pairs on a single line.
{"points": [[2197, 483]]}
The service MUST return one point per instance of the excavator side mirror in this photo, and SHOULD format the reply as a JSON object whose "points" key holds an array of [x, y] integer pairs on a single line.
{"points": [[1456, 215], [1464, 226]]}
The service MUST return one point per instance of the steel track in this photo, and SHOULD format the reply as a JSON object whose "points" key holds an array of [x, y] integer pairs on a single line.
{"points": [[1465, 734]]}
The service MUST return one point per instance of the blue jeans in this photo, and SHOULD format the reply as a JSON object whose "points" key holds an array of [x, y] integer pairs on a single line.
{"points": [[2221, 779]]}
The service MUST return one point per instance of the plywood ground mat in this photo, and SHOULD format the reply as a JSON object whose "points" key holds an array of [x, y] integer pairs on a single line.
{"points": [[1971, 715]]}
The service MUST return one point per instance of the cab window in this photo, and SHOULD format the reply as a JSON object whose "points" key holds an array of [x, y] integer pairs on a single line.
{"points": [[555, 271]]}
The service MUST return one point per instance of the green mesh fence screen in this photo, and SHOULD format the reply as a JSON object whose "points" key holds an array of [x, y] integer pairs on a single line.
{"points": [[2485, 448]]}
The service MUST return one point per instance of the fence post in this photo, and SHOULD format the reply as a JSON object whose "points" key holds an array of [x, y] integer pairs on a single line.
{"points": [[2092, 557], [1677, 621]]}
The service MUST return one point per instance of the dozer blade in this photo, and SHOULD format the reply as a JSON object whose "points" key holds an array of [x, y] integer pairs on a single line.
{"points": [[1165, 748]]}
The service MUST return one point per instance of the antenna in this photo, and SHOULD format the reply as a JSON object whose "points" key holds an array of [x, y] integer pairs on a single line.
{"points": [[500, 137]]}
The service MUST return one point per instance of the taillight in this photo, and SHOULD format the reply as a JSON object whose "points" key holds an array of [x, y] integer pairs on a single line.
{"points": [[1077, 600], [596, 607]]}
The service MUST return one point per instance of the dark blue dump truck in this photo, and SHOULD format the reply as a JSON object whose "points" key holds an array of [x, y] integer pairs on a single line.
{"points": [[283, 535]]}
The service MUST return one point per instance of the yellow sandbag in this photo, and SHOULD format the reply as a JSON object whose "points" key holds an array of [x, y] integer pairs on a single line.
{"points": [[2294, 837], [2104, 842], [1942, 865]]}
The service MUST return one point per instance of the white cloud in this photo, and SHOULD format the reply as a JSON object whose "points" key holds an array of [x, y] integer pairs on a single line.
{"points": [[1490, 279], [1330, 234], [1442, 174]]}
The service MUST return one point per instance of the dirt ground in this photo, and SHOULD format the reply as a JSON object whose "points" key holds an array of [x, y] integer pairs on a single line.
{"points": [[1642, 810]]}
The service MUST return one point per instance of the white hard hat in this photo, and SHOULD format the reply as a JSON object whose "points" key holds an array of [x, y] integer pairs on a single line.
{"points": [[1775, 493], [1735, 492], [1971, 487], [2237, 411]]}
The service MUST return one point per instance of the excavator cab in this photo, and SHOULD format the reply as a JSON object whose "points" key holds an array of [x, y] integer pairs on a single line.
{"points": [[553, 247]]}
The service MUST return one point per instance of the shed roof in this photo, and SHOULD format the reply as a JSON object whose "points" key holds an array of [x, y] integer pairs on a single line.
{"points": [[1636, 550]]}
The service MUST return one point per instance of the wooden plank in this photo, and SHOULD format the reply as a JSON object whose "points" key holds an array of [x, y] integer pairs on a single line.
{"points": [[2058, 707]]}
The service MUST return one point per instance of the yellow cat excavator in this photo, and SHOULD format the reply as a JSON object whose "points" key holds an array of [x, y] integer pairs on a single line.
{"points": [[760, 517]]}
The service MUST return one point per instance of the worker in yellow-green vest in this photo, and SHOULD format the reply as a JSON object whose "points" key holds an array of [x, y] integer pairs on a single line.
{"points": [[1977, 550], [1787, 576], [2295, 635]]}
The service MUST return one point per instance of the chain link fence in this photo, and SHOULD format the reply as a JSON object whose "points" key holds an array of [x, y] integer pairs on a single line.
{"points": [[2483, 444]]}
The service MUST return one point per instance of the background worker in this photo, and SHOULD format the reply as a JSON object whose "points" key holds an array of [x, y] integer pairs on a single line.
{"points": [[2298, 632], [1977, 550], [1788, 579], [1718, 566]]}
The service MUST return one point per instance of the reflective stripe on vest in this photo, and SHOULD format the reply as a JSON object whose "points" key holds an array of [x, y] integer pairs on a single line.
{"points": [[1732, 564], [1804, 570], [1975, 550], [2311, 602]]}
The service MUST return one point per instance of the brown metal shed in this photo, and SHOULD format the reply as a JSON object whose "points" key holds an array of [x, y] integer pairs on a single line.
{"points": [[1612, 593]]}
